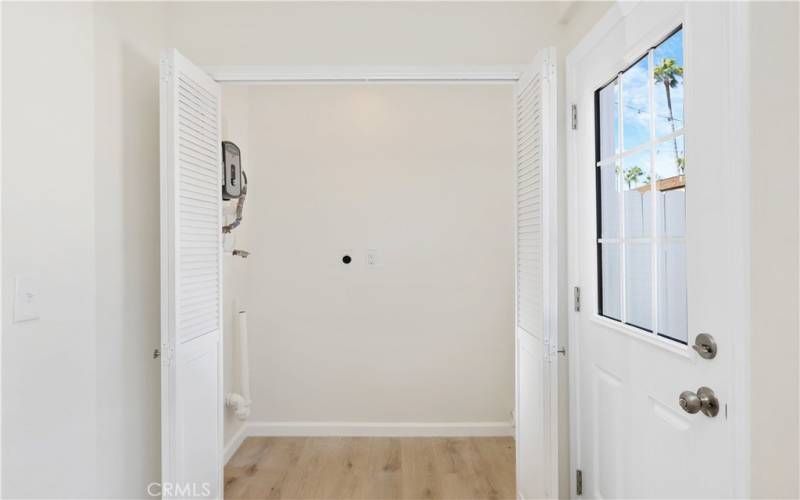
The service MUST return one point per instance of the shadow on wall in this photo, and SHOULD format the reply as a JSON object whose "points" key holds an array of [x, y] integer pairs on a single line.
{"points": [[128, 263]]}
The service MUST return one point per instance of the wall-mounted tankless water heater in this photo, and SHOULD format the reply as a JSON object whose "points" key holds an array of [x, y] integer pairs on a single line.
{"points": [[234, 181], [232, 176]]}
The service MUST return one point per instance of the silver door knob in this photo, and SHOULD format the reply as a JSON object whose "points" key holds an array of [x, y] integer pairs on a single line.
{"points": [[703, 400]]}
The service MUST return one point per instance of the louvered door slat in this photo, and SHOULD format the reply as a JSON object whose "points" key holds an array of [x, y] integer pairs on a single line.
{"points": [[191, 276], [534, 141], [529, 202]]}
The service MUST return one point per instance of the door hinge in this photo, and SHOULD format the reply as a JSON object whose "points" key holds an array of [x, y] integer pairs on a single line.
{"points": [[552, 350], [165, 354], [574, 117], [579, 482], [577, 294]]}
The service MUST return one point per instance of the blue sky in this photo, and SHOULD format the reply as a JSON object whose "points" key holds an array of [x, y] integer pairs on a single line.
{"points": [[635, 107], [636, 112]]}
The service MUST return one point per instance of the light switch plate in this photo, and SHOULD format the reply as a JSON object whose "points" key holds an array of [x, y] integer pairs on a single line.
{"points": [[26, 299]]}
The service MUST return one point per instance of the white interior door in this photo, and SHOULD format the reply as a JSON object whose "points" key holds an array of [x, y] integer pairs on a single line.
{"points": [[191, 278], [536, 289], [657, 239]]}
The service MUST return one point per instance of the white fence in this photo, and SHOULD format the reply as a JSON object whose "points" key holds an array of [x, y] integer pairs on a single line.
{"points": [[671, 266]]}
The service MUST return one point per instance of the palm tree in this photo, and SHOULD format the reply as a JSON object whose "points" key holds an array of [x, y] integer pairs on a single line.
{"points": [[632, 175], [670, 74]]}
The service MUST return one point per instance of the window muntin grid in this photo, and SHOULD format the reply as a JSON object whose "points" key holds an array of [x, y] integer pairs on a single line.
{"points": [[641, 186]]}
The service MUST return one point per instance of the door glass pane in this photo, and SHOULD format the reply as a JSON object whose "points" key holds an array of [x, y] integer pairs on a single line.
{"points": [[672, 297], [670, 168], [670, 160], [611, 279], [668, 84], [638, 285], [610, 196], [635, 105], [608, 98], [635, 177]]}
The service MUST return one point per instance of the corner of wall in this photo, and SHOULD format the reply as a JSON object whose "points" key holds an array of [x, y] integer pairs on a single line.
{"points": [[128, 39], [774, 83]]}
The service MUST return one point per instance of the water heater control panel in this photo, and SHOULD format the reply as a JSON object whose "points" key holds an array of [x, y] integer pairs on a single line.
{"points": [[231, 171]]}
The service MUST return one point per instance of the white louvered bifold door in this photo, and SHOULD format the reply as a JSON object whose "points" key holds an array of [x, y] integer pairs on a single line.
{"points": [[191, 280], [536, 385]]}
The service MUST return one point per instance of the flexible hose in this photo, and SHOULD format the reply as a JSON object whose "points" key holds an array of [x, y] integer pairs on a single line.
{"points": [[239, 208]]}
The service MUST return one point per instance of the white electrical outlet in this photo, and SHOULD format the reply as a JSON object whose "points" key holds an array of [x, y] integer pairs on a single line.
{"points": [[26, 299], [374, 258]]}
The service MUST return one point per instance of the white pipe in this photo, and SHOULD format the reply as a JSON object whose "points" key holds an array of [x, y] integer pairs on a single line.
{"points": [[244, 358], [240, 403]]}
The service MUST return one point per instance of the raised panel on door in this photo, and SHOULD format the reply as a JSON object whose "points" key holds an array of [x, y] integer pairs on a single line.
{"points": [[531, 435], [605, 388], [670, 431], [608, 425], [197, 410]]}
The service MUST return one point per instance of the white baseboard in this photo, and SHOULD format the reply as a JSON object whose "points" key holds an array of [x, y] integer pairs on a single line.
{"points": [[235, 442], [386, 429], [374, 429]]}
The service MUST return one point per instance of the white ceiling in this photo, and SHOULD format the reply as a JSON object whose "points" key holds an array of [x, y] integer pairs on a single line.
{"points": [[373, 33]]}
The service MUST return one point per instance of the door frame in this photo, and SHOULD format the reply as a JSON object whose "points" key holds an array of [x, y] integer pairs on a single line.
{"points": [[737, 160], [476, 74], [459, 75]]}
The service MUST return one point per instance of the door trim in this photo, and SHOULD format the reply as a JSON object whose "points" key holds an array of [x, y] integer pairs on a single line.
{"points": [[738, 137], [480, 74], [462, 75]]}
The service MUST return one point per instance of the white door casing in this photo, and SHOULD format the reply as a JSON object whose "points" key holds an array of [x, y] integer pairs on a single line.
{"points": [[536, 279], [629, 436], [191, 280]]}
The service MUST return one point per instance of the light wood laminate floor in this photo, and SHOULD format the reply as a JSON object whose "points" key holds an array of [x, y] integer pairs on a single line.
{"points": [[372, 468]]}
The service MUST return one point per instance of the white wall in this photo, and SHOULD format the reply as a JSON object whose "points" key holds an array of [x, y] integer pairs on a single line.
{"points": [[774, 119], [48, 200], [80, 386], [126, 231], [84, 114], [423, 174], [235, 127]]}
